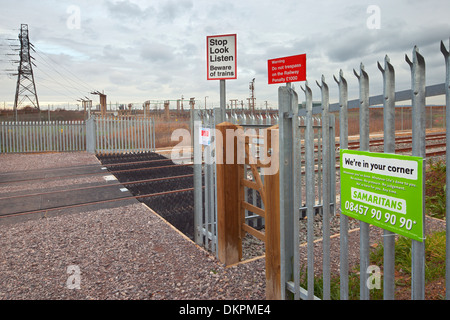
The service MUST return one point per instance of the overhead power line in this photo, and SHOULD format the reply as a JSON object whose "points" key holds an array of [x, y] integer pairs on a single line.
{"points": [[60, 79], [75, 78]]}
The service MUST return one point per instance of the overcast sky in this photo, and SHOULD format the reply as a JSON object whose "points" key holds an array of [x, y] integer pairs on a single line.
{"points": [[156, 50]]}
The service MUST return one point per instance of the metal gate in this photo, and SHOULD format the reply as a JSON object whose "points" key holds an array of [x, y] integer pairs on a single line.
{"points": [[205, 191], [117, 134]]}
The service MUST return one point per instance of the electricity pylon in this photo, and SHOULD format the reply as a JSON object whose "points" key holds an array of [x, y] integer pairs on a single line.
{"points": [[26, 88]]}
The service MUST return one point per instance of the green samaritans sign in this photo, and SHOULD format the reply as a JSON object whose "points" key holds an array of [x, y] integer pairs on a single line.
{"points": [[383, 189]]}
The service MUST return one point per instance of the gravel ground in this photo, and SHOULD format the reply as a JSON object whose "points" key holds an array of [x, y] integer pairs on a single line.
{"points": [[12, 162], [16, 162], [42, 186], [127, 253], [121, 253]]}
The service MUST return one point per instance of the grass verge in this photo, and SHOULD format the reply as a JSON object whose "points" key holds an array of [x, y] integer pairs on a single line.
{"points": [[434, 270]]}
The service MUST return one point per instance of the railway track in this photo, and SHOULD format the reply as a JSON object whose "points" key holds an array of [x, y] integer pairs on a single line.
{"points": [[403, 139], [95, 202], [148, 178], [407, 140], [183, 183], [102, 172], [379, 142], [130, 183]]}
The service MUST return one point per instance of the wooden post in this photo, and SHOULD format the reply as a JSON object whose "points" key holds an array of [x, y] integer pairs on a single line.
{"points": [[166, 110], [272, 221], [103, 104], [228, 218]]}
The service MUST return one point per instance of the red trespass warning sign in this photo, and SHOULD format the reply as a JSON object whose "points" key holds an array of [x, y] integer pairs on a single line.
{"points": [[287, 69]]}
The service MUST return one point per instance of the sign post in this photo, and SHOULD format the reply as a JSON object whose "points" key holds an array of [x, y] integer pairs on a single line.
{"points": [[221, 54], [384, 190], [287, 70]]}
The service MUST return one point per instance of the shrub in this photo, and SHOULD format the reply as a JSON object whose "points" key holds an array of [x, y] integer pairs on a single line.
{"points": [[435, 194]]}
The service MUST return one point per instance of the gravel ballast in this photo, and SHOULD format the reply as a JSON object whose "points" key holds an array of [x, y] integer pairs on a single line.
{"points": [[129, 253], [121, 253]]}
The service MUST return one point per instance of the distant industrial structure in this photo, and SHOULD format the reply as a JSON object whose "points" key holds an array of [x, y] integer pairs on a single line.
{"points": [[26, 99]]}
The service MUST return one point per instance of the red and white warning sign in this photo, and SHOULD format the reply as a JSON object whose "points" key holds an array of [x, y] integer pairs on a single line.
{"points": [[287, 69], [205, 136]]}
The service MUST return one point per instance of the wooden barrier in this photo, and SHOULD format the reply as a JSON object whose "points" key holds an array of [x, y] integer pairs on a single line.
{"points": [[231, 204]]}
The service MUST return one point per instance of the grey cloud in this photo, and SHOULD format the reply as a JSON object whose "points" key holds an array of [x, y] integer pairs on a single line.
{"points": [[126, 9], [156, 52], [119, 78], [162, 12], [112, 53], [172, 9], [351, 43], [347, 47]]}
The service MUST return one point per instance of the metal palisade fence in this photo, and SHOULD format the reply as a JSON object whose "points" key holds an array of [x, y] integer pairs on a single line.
{"points": [[124, 134], [310, 191], [95, 135], [205, 192], [33, 136]]}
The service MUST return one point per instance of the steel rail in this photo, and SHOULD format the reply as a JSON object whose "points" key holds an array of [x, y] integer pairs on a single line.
{"points": [[96, 202], [92, 166], [99, 173], [99, 186]]}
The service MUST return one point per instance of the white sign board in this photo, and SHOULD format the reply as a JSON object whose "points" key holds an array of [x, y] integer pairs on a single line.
{"points": [[205, 136], [221, 57]]}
